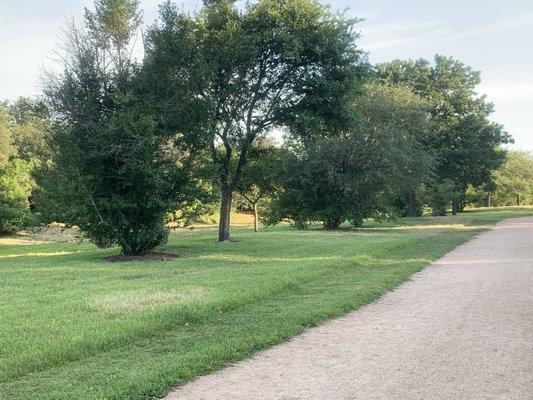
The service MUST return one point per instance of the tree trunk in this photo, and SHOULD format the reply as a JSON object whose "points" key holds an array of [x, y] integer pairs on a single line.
{"points": [[412, 204], [517, 199], [455, 206], [488, 201], [256, 217], [332, 224], [226, 194]]}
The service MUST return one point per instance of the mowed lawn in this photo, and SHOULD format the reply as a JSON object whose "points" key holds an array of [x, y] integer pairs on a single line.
{"points": [[76, 326]]}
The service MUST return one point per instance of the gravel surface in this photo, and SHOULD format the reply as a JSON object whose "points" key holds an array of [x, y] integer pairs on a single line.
{"points": [[460, 329]]}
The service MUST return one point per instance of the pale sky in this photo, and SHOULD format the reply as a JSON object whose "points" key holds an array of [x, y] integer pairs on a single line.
{"points": [[493, 36]]}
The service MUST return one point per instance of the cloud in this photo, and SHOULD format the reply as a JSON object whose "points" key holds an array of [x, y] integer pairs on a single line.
{"points": [[392, 27], [508, 92], [424, 31]]}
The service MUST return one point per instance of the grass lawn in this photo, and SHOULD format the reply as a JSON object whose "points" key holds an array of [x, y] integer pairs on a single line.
{"points": [[76, 326]]}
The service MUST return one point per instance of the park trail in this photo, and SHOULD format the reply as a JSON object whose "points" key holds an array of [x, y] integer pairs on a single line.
{"points": [[460, 329]]}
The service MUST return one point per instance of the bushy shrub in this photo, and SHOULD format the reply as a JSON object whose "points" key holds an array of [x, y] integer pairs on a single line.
{"points": [[15, 188], [440, 196]]}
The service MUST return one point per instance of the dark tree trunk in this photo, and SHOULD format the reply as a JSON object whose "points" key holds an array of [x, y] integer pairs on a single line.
{"points": [[412, 204], [455, 206], [256, 217], [517, 199], [332, 224], [226, 194]]}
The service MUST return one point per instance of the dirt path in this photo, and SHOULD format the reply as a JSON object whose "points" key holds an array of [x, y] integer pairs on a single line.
{"points": [[460, 329]]}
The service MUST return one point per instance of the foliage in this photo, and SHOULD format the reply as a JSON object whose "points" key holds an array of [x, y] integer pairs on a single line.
{"points": [[110, 174], [439, 196], [514, 180], [465, 143], [21, 131], [32, 125], [352, 176], [261, 179], [6, 136], [241, 73], [402, 119], [15, 189]]}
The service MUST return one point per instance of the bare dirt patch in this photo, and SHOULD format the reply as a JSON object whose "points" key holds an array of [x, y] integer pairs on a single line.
{"points": [[140, 300], [156, 256]]}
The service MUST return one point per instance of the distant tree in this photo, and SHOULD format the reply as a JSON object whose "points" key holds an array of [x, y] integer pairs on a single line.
{"points": [[354, 175], [439, 196], [228, 76], [403, 119], [32, 125], [6, 135], [513, 181], [465, 143], [260, 181], [110, 174], [16, 183]]}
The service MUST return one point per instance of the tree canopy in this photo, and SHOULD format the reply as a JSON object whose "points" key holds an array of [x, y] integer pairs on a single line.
{"points": [[467, 146], [248, 71]]}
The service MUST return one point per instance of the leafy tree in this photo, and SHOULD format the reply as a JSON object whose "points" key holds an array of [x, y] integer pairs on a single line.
{"points": [[229, 76], [354, 175], [260, 180], [513, 181], [6, 135], [402, 118], [466, 144], [439, 196], [32, 125], [16, 183], [111, 173]]}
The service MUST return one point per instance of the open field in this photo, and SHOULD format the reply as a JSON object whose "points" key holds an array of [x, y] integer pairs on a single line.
{"points": [[75, 326]]}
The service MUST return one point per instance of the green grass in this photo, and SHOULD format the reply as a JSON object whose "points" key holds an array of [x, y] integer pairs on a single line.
{"points": [[75, 326]]}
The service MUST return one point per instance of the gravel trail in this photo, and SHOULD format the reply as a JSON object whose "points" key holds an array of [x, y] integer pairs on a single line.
{"points": [[460, 329]]}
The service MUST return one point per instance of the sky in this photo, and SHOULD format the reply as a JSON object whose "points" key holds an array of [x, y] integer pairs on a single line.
{"points": [[492, 36]]}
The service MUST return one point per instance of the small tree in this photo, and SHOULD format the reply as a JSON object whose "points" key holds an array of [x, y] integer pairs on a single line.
{"points": [[260, 180], [439, 196]]}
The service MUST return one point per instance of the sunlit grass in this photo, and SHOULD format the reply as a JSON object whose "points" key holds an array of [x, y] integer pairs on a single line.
{"points": [[77, 326]]}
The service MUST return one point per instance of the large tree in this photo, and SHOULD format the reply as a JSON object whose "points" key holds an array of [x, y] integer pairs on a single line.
{"points": [[230, 75], [465, 142], [357, 173]]}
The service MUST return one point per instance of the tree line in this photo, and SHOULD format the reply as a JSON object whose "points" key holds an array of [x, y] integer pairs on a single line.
{"points": [[117, 146]]}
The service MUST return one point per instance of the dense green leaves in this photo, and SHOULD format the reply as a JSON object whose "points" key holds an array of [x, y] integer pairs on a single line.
{"points": [[23, 126], [465, 143], [109, 173], [237, 74], [354, 175], [513, 181]]}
